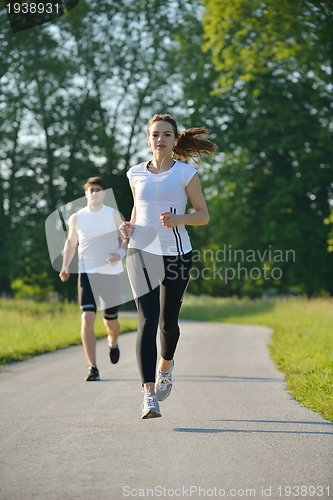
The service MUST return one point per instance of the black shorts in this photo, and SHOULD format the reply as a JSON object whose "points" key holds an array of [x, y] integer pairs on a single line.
{"points": [[103, 287]]}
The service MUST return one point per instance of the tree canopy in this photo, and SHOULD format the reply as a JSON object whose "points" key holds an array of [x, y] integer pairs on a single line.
{"points": [[77, 93], [274, 65]]}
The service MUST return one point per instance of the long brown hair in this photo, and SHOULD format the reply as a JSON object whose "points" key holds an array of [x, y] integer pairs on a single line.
{"points": [[190, 143]]}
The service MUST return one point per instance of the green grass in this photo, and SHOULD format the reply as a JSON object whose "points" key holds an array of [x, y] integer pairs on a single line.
{"points": [[302, 340], [301, 347], [29, 328]]}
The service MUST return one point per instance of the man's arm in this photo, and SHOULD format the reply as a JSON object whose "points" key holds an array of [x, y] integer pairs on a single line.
{"points": [[69, 248]]}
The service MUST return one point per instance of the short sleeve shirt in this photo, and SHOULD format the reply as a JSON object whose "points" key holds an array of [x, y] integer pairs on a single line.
{"points": [[155, 194]]}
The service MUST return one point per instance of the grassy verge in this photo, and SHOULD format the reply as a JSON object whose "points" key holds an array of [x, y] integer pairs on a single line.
{"points": [[29, 328], [302, 342]]}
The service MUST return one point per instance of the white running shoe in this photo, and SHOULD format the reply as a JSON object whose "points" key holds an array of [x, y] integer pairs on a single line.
{"points": [[150, 407], [164, 383]]}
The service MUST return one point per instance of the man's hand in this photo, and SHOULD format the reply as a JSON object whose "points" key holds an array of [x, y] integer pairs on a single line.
{"points": [[64, 274]]}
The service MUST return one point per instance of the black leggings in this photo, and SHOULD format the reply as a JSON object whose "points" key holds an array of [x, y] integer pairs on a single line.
{"points": [[160, 306]]}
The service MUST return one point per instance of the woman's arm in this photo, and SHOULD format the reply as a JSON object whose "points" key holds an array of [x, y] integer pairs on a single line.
{"points": [[133, 215], [199, 217], [127, 228], [121, 253]]}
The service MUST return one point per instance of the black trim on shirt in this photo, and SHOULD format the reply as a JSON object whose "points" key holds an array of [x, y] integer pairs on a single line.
{"points": [[177, 235]]}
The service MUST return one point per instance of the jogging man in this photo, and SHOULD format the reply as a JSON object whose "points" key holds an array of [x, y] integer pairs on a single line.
{"points": [[95, 229]]}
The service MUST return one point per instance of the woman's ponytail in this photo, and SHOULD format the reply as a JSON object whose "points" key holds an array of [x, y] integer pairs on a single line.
{"points": [[191, 144]]}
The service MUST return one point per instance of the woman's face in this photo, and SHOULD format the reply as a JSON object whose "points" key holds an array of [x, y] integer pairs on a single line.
{"points": [[161, 138]]}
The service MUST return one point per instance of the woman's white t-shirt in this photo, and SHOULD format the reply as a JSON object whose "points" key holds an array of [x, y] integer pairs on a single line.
{"points": [[154, 194]]}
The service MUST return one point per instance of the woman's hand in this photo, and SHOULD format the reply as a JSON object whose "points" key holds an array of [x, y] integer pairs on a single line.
{"points": [[113, 259], [169, 220], [126, 229]]}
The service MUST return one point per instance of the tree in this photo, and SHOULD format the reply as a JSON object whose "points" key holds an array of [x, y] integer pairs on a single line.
{"points": [[276, 175], [76, 97]]}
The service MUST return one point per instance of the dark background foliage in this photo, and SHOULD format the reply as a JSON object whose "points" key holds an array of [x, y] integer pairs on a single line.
{"points": [[76, 95]]}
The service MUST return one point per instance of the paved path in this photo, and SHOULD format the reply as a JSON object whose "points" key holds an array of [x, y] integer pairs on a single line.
{"points": [[230, 431]]}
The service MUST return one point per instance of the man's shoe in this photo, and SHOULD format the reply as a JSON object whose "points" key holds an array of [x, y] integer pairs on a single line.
{"points": [[150, 406], [164, 383], [93, 374], [114, 354]]}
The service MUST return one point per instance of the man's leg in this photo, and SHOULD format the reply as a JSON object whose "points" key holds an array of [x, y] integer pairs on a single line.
{"points": [[113, 329], [109, 293], [88, 336], [88, 316]]}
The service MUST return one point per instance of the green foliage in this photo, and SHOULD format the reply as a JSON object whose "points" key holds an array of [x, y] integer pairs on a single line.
{"points": [[75, 98], [271, 108], [76, 95], [22, 289], [249, 39]]}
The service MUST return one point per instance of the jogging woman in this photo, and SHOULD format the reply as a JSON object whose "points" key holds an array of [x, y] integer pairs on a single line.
{"points": [[160, 254]]}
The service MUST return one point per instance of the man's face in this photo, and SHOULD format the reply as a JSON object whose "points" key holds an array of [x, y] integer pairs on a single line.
{"points": [[95, 194]]}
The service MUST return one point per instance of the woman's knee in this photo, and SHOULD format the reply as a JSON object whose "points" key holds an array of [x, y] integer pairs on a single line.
{"points": [[170, 328], [149, 324]]}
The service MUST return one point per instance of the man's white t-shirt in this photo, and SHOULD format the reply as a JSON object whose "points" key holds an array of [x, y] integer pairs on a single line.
{"points": [[98, 237], [154, 194]]}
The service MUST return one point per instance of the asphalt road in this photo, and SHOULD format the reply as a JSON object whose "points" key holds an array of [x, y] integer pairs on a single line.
{"points": [[230, 431]]}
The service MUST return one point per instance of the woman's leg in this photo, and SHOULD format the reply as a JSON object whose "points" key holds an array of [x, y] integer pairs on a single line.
{"points": [[172, 290], [146, 350], [144, 272]]}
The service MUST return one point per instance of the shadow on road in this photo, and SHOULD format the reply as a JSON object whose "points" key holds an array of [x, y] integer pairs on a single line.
{"points": [[244, 431], [202, 430], [226, 378]]}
